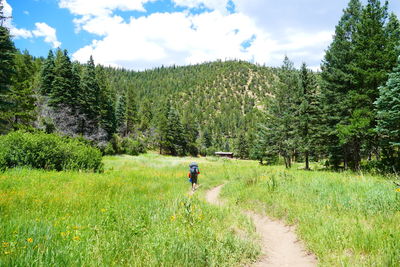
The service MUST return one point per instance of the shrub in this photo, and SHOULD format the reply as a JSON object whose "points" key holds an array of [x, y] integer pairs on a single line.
{"points": [[132, 147], [127, 145], [47, 151]]}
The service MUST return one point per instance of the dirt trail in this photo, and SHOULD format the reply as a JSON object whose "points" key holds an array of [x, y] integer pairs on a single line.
{"points": [[280, 246]]}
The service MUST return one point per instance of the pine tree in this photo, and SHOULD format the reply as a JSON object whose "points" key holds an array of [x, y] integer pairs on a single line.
{"points": [[106, 104], [7, 69], [131, 113], [90, 94], [281, 120], [47, 75], [145, 115], [338, 80], [309, 114], [171, 132], [373, 60], [120, 114], [61, 91], [191, 134], [242, 146], [22, 94], [175, 134], [75, 88], [388, 120]]}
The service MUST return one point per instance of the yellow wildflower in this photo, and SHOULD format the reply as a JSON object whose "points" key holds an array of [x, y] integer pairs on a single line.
{"points": [[398, 190], [5, 244], [75, 227], [103, 210], [7, 252], [30, 240], [173, 218], [76, 238]]}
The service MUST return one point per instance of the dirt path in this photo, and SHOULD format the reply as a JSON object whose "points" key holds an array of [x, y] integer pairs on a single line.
{"points": [[280, 246]]}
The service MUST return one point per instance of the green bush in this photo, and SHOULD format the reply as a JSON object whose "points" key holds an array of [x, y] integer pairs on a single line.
{"points": [[47, 151], [127, 145], [132, 147]]}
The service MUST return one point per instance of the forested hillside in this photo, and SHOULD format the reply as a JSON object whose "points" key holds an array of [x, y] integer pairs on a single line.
{"points": [[215, 102], [347, 115]]}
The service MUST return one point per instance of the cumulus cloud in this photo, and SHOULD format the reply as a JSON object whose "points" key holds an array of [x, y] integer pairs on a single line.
{"points": [[49, 34], [184, 38], [20, 33], [101, 7], [41, 30], [219, 5]]}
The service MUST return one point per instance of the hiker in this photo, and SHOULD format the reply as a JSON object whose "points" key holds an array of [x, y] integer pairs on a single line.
{"points": [[194, 171]]}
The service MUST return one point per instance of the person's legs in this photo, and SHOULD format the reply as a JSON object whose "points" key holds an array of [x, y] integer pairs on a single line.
{"points": [[194, 183]]}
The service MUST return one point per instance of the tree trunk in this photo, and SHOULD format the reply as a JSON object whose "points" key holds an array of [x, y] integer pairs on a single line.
{"points": [[307, 161]]}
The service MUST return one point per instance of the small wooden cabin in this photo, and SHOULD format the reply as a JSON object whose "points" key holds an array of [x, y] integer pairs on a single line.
{"points": [[224, 154]]}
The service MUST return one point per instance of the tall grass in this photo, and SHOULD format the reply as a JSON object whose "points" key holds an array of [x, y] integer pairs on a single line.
{"points": [[137, 213], [346, 219]]}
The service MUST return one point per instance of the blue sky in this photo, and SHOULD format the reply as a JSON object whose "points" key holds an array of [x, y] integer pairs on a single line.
{"points": [[142, 34]]}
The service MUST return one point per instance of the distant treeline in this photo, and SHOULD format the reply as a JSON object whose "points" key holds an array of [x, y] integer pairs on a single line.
{"points": [[348, 114]]}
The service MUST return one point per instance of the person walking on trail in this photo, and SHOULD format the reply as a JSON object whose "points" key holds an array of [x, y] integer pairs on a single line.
{"points": [[194, 172]]}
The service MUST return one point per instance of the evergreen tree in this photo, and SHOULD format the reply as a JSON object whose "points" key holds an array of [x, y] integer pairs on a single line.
{"points": [[172, 134], [281, 109], [264, 147], [62, 93], [338, 80], [22, 95], [90, 94], [309, 114], [7, 68], [131, 113], [373, 60], [47, 75], [388, 120], [75, 88], [161, 121], [120, 114], [106, 104], [242, 146], [145, 115], [175, 134]]}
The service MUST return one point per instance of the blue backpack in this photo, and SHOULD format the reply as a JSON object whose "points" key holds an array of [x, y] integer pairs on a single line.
{"points": [[193, 169]]}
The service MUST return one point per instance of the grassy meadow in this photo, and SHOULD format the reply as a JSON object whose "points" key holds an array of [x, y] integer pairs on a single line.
{"points": [[139, 213], [346, 219]]}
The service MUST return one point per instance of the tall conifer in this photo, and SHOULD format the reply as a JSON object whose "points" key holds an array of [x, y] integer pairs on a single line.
{"points": [[7, 68]]}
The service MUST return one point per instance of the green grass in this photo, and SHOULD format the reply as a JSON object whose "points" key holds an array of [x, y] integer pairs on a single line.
{"points": [[138, 213], [345, 219]]}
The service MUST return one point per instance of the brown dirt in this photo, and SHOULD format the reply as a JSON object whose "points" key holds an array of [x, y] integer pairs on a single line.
{"points": [[280, 245]]}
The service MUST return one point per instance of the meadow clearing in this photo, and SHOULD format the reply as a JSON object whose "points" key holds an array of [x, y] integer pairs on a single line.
{"points": [[139, 213]]}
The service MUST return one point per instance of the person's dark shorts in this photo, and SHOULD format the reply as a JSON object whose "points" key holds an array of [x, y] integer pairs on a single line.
{"points": [[194, 179]]}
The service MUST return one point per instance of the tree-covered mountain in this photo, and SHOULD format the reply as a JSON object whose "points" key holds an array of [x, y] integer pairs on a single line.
{"points": [[346, 114], [216, 100]]}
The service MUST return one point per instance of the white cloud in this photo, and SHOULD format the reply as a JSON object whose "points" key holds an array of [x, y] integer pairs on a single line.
{"points": [[219, 5], [15, 32], [41, 30], [101, 7], [181, 38], [7, 11], [49, 34], [20, 33], [170, 38], [184, 38]]}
